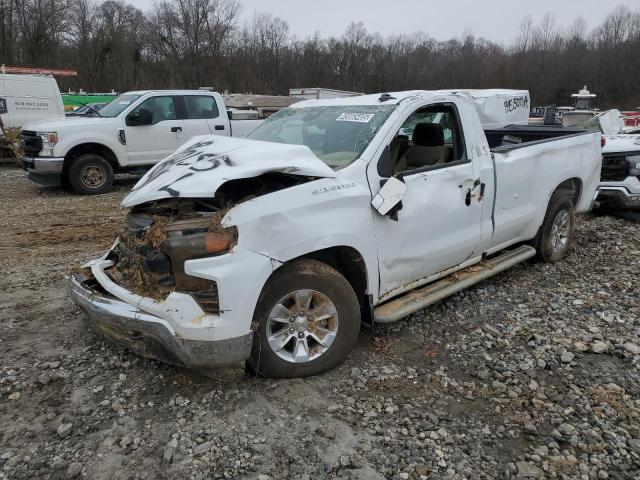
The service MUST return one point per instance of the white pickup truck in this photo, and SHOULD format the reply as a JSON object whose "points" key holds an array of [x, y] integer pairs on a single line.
{"points": [[133, 132], [620, 179], [332, 213]]}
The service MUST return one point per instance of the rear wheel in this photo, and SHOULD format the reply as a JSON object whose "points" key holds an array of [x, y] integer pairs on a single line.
{"points": [[90, 174], [308, 320], [556, 235]]}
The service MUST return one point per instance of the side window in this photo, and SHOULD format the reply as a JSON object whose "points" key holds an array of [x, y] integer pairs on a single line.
{"points": [[430, 137], [201, 106], [161, 108]]}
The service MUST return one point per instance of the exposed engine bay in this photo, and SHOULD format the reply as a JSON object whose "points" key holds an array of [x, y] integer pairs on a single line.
{"points": [[159, 236]]}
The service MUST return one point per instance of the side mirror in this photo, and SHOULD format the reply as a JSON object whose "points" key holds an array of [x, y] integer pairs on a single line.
{"points": [[389, 195], [142, 116]]}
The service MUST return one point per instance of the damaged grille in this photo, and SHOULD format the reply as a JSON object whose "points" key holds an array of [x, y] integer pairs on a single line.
{"points": [[614, 169], [142, 267], [159, 236]]}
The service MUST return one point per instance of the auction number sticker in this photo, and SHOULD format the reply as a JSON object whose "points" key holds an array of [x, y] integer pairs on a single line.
{"points": [[355, 117]]}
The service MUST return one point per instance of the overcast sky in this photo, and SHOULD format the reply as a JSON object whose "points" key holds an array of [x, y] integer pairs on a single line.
{"points": [[496, 20]]}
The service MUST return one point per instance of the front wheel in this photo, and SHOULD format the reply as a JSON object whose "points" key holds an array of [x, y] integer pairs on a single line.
{"points": [[557, 232], [90, 174], [307, 321]]}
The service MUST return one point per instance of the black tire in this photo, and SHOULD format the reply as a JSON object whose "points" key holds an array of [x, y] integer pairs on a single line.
{"points": [[325, 280], [90, 174], [544, 241]]}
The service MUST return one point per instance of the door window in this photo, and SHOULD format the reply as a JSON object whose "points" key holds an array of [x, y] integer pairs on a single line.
{"points": [[200, 107], [161, 108], [431, 137]]}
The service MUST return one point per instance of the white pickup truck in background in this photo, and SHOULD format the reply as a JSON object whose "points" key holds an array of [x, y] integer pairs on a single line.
{"points": [[620, 179], [134, 131], [274, 248]]}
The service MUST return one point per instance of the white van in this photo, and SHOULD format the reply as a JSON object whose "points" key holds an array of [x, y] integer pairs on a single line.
{"points": [[26, 98]]}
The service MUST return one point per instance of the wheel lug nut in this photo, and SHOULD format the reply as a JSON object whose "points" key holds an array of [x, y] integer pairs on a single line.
{"points": [[300, 335]]}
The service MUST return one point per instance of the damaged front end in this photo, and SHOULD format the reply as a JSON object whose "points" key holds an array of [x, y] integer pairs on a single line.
{"points": [[156, 241], [141, 295]]}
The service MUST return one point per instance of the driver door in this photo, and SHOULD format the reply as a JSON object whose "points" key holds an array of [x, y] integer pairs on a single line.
{"points": [[437, 228], [147, 144]]}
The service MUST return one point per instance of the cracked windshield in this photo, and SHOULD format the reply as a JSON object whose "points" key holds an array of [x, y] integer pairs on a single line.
{"points": [[336, 135]]}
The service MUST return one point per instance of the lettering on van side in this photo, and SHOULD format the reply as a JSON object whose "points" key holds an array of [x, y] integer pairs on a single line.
{"points": [[3, 105], [29, 105]]}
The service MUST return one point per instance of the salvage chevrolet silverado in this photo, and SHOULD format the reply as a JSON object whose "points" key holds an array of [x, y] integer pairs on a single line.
{"points": [[274, 249]]}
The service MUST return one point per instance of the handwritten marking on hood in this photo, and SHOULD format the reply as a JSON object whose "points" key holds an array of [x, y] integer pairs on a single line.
{"points": [[194, 157], [199, 168]]}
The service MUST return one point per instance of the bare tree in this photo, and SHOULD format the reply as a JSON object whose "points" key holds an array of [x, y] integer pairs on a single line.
{"points": [[191, 43]]}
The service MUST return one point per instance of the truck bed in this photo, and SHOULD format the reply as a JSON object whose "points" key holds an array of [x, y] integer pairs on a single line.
{"points": [[529, 163], [511, 137]]}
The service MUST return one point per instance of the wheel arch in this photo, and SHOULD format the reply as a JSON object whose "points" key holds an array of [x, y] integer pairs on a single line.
{"points": [[350, 263], [572, 188], [90, 147]]}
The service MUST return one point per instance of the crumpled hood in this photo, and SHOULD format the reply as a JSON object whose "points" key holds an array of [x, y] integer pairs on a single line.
{"points": [[202, 165], [621, 143]]}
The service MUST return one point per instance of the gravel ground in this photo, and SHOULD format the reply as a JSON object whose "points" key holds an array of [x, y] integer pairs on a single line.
{"points": [[532, 374]]}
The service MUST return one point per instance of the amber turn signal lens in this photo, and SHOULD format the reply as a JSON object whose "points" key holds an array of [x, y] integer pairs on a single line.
{"points": [[218, 242]]}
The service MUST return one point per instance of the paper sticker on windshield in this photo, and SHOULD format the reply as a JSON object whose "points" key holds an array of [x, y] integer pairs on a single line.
{"points": [[355, 117]]}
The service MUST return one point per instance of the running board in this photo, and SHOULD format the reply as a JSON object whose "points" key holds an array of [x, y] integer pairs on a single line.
{"points": [[422, 297]]}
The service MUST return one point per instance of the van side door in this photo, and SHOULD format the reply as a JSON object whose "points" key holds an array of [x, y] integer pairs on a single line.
{"points": [[439, 223]]}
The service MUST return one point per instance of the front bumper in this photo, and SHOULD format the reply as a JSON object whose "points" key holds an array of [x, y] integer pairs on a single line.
{"points": [[149, 335], [43, 170], [618, 198]]}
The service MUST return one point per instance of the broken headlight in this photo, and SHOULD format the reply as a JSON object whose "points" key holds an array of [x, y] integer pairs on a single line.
{"points": [[199, 244], [187, 242], [198, 237]]}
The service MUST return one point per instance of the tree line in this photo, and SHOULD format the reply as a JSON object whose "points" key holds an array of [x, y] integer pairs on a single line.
{"points": [[194, 43]]}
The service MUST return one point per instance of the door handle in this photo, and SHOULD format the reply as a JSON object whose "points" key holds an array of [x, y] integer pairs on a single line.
{"points": [[176, 129], [219, 127]]}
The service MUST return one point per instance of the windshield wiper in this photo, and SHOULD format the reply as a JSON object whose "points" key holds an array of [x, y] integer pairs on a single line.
{"points": [[89, 106], [94, 110]]}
